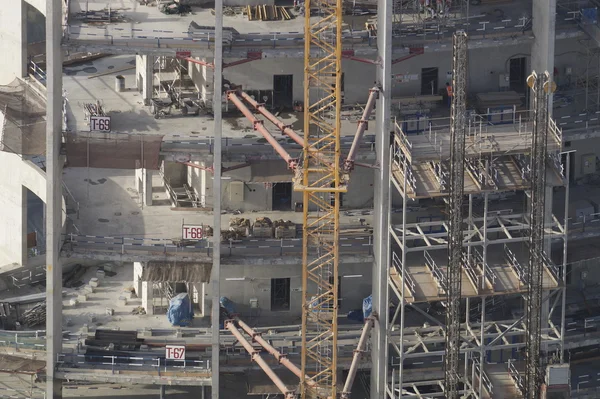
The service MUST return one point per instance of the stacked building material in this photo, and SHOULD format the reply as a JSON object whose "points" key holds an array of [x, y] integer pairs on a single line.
{"points": [[498, 99], [34, 316], [284, 228], [262, 228], [94, 109], [240, 226], [266, 12]]}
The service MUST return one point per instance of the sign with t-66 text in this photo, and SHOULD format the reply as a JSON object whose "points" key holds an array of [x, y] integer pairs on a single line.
{"points": [[100, 124], [192, 232], [175, 352]]}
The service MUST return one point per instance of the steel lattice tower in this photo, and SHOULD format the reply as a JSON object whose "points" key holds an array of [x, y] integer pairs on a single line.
{"points": [[540, 85], [455, 222], [321, 181]]}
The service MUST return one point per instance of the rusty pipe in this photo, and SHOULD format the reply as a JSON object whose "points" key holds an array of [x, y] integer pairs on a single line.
{"points": [[255, 356], [357, 355], [363, 124], [281, 358], [285, 129], [258, 125]]}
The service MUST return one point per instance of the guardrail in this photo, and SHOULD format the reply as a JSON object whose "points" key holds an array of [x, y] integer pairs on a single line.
{"points": [[487, 383], [516, 266], [37, 73], [515, 375], [436, 272], [283, 246], [142, 363], [408, 280]]}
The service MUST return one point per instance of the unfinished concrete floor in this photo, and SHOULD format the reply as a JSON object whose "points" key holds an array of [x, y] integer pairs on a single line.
{"points": [[110, 206]]}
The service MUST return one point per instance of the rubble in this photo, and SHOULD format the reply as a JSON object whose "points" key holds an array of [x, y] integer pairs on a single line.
{"points": [[262, 228], [35, 316], [240, 226], [284, 228]]}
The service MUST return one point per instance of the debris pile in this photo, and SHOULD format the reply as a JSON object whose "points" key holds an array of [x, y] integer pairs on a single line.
{"points": [[173, 8], [262, 228], [240, 226], [100, 16], [284, 228], [72, 279], [229, 235], [266, 12], [34, 316]]}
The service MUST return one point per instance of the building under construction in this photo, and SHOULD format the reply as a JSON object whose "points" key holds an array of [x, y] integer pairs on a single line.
{"points": [[318, 200]]}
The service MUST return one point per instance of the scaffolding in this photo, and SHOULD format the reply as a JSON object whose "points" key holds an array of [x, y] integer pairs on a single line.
{"points": [[494, 259]]}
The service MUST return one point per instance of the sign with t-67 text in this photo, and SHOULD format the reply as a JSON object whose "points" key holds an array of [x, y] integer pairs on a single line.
{"points": [[192, 232], [100, 124], [175, 352]]}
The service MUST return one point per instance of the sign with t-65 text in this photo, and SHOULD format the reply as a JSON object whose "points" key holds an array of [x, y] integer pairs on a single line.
{"points": [[192, 232], [100, 124], [175, 352]]}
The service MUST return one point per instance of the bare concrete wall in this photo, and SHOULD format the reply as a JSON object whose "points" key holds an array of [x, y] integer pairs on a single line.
{"points": [[258, 285], [13, 41], [176, 173]]}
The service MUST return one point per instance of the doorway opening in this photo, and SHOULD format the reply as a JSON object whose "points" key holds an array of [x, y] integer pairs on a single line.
{"points": [[517, 74], [280, 294], [429, 81], [283, 90], [282, 197]]}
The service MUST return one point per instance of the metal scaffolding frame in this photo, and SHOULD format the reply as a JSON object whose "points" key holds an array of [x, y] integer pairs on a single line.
{"points": [[456, 189], [484, 231]]}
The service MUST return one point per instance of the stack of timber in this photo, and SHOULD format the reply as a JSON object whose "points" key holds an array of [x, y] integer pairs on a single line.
{"points": [[267, 13], [489, 2], [100, 16], [94, 109], [34, 316], [262, 228], [498, 99]]}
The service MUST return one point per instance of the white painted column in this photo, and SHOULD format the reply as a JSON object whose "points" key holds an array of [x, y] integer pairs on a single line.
{"points": [[148, 297], [138, 269]]}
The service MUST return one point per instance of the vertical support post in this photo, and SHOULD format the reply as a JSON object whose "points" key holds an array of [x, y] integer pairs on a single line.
{"points": [[484, 256], [564, 265], [402, 302], [381, 246], [218, 123], [53, 195]]}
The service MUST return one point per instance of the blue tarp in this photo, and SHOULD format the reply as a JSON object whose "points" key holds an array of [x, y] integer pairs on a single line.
{"points": [[590, 15], [367, 306], [227, 304], [180, 313]]}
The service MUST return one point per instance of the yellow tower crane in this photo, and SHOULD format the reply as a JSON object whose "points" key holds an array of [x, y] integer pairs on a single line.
{"points": [[321, 180]]}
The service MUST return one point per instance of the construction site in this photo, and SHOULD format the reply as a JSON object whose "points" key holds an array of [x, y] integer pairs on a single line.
{"points": [[300, 199]]}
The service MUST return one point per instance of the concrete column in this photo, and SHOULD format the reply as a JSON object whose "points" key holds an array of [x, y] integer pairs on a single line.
{"points": [[216, 196], [148, 297], [21, 231], [204, 176], [381, 247], [544, 31], [138, 269], [13, 45], [145, 71], [147, 186], [54, 163]]}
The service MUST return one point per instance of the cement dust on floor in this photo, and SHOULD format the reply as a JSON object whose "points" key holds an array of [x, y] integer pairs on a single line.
{"points": [[106, 296], [117, 203]]}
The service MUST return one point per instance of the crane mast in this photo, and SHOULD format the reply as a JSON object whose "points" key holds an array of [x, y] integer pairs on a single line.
{"points": [[455, 222], [321, 180], [541, 87]]}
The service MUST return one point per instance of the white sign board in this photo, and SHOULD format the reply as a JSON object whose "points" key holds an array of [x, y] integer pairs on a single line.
{"points": [[100, 124], [175, 352], [192, 232]]}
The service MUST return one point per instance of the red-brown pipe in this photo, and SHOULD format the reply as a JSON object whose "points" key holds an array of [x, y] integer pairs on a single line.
{"points": [[292, 162], [281, 358], [360, 131], [357, 355], [273, 119], [259, 360]]}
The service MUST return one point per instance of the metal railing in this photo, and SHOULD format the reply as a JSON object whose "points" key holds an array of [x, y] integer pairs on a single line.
{"points": [[408, 280], [283, 246], [487, 383], [141, 363], [437, 273], [515, 375], [37, 73], [514, 263]]}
